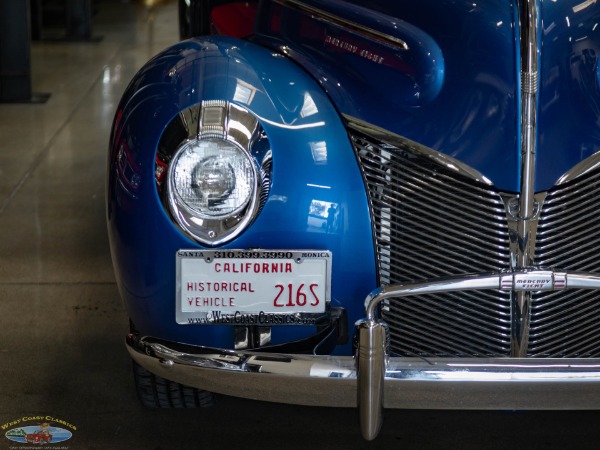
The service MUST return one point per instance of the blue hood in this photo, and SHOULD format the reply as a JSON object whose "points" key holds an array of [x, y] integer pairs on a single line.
{"points": [[446, 75], [569, 105]]}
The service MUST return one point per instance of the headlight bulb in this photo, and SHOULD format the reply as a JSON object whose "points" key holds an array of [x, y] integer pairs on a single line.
{"points": [[214, 181]]}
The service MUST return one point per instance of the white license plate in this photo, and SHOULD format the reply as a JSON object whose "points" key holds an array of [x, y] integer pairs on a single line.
{"points": [[232, 286]]}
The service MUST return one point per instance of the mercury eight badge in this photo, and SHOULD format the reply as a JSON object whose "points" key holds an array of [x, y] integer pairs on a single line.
{"points": [[320, 202]]}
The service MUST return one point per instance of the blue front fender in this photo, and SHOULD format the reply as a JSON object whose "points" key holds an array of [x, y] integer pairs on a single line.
{"points": [[313, 164]]}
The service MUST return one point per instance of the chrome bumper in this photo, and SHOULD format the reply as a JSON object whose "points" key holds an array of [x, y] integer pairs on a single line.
{"points": [[442, 383]]}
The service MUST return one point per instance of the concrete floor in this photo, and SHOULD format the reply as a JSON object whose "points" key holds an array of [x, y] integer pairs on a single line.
{"points": [[62, 323]]}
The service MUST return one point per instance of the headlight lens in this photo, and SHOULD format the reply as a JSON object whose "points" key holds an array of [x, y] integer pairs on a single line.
{"points": [[218, 175], [213, 178]]}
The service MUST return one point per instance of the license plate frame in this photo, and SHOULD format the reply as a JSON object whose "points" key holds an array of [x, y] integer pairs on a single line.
{"points": [[252, 287]]}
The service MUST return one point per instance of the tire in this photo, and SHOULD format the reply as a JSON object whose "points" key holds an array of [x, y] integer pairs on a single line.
{"points": [[156, 392]]}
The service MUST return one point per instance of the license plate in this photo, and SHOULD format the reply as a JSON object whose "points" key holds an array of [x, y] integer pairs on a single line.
{"points": [[258, 287]]}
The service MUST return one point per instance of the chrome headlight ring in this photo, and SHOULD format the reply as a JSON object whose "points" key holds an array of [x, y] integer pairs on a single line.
{"points": [[213, 170]]}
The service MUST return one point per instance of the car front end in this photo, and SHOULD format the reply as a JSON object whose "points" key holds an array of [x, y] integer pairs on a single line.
{"points": [[391, 206]]}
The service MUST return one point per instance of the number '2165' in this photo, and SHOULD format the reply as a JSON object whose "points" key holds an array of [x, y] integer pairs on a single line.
{"points": [[295, 296]]}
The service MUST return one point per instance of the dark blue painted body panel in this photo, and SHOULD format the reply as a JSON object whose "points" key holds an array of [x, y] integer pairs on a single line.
{"points": [[461, 58], [144, 240], [569, 109], [470, 109]]}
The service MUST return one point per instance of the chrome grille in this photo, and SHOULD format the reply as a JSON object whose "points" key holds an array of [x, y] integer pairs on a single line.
{"points": [[431, 220], [565, 323]]}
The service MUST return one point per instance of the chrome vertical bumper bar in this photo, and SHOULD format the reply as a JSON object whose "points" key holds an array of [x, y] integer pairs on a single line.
{"points": [[370, 375], [372, 354]]}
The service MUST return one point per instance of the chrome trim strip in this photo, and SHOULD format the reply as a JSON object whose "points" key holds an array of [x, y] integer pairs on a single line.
{"points": [[355, 27], [529, 89], [526, 222], [402, 142], [585, 166]]}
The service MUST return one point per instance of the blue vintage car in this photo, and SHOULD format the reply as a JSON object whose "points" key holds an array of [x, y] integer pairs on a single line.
{"points": [[393, 205]]}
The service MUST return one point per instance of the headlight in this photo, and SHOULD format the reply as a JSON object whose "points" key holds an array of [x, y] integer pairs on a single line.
{"points": [[218, 170], [212, 178]]}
